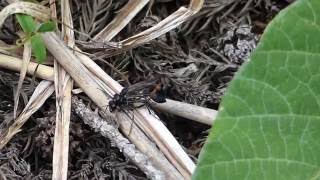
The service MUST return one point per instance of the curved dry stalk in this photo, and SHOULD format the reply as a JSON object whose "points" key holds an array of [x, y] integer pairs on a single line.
{"points": [[164, 26], [39, 96], [125, 15], [35, 10]]}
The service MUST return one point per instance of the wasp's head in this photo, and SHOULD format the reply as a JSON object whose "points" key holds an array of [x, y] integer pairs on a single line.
{"points": [[112, 106], [114, 102]]}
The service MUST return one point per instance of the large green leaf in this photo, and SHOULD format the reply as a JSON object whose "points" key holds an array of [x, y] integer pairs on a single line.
{"points": [[268, 126]]}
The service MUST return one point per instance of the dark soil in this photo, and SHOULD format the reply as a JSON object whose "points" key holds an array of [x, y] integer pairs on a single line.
{"points": [[197, 61]]}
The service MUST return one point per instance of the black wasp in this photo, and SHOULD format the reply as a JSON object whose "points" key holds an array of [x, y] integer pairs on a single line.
{"points": [[137, 95]]}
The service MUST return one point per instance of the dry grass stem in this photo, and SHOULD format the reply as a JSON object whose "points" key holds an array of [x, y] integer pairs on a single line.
{"points": [[63, 87], [102, 76], [15, 64], [159, 133], [188, 111], [85, 79]]}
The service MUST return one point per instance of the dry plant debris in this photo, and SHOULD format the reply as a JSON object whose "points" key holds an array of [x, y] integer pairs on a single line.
{"points": [[197, 60]]}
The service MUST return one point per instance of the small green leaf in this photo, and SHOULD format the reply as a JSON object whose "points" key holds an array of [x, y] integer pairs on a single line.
{"points": [[269, 119], [38, 48], [26, 22], [47, 26]]}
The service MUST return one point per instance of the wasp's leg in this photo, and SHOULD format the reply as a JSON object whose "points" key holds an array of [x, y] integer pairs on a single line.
{"points": [[139, 106], [127, 113], [148, 106], [152, 112], [132, 122]]}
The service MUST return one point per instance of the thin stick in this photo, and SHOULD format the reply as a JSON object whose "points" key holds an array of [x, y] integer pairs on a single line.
{"points": [[15, 64], [188, 111]]}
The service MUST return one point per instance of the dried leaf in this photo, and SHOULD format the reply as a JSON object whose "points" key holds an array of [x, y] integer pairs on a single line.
{"points": [[23, 71]]}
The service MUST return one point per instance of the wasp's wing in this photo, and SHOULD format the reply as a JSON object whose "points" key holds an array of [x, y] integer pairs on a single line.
{"points": [[139, 89]]}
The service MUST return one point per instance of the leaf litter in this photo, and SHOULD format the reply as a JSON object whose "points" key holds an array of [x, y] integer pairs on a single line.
{"points": [[197, 61]]}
